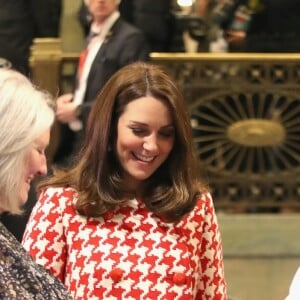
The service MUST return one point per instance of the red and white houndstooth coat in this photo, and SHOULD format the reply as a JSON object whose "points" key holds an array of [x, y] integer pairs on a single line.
{"points": [[129, 253]]}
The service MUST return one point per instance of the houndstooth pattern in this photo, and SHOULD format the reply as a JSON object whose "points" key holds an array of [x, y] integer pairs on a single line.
{"points": [[129, 253]]}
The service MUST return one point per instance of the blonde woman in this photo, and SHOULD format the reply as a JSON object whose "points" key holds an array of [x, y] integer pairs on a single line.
{"points": [[26, 115]]}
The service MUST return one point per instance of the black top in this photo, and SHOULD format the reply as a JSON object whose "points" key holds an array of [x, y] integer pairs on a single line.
{"points": [[275, 28], [23, 20], [21, 278]]}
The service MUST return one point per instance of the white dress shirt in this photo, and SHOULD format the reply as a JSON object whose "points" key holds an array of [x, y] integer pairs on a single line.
{"points": [[92, 50]]}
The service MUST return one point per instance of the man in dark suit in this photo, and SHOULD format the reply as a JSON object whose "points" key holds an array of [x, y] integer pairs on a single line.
{"points": [[111, 44], [154, 17]]}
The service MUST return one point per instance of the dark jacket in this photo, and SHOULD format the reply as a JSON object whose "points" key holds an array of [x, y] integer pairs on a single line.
{"points": [[154, 18], [274, 24], [23, 20], [276, 28], [20, 22], [124, 44]]}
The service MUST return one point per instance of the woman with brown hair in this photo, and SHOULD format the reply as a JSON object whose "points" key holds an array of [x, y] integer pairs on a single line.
{"points": [[131, 219]]}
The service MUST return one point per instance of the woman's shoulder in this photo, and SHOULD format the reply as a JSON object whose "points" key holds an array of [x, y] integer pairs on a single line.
{"points": [[202, 213], [203, 206], [204, 200], [62, 196], [59, 191]]}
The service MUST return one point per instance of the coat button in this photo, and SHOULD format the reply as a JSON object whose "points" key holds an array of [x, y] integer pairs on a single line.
{"points": [[116, 274], [179, 278]]}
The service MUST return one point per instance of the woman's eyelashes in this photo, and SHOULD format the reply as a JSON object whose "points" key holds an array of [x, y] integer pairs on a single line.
{"points": [[165, 133], [139, 131]]}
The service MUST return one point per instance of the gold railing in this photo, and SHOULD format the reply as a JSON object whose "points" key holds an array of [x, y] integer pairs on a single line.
{"points": [[245, 112], [45, 62], [246, 118]]}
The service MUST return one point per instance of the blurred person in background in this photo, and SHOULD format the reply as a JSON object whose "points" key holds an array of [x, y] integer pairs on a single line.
{"points": [[259, 25], [20, 22], [111, 44], [153, 17], [23, 20], [274, 26], [26, 117], [84, 17]]}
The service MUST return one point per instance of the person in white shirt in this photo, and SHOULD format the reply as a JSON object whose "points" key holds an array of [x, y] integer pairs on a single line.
{"points": [[114, 44]]}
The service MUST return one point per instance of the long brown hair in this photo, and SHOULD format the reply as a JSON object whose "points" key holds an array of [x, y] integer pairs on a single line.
{"points": [[97, 176]]}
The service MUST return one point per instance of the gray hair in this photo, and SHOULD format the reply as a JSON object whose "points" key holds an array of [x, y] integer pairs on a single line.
{"points": [[25, 113]]}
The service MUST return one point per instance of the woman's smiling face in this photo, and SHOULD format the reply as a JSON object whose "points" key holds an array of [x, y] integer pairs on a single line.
{"points": [[145, 138], [35, 164]]}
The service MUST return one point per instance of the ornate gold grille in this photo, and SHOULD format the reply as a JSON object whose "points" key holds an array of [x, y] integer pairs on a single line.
{"points": [[245, 113]]}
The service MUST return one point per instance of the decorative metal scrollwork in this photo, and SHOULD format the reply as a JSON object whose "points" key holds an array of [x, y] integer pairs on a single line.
{"points": [[245, 113], [254, 133]]}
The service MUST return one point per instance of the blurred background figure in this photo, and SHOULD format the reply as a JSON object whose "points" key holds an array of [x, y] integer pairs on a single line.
{"points": [[274, 26], [84, 17], [111, 44], [26, 117], [213, 25], [153, 17], [21, 21], [258, 25], [190, 26]]}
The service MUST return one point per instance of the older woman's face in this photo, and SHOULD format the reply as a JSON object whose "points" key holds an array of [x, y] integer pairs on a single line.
{"points": [[145, 138], [35, 164]]}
